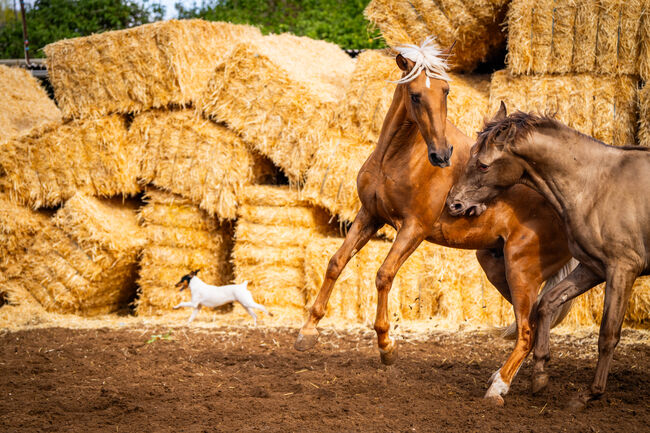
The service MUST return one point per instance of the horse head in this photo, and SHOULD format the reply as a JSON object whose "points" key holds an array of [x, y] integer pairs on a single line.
{"points": [[425, 89]]}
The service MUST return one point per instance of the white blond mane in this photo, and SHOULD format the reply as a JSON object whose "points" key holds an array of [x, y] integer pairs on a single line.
{"points": [[428, 58]]}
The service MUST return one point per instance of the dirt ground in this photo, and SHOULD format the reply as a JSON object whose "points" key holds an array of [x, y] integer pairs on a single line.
{"points": [[248, 380]]}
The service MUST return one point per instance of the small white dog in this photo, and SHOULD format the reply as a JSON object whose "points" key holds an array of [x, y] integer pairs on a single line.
{"points": [[214, 296]]}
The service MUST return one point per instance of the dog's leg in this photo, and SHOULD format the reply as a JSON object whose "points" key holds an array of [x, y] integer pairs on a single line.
{"points": [[184, 304], [260, 307], [252, 313], [194, 313]]}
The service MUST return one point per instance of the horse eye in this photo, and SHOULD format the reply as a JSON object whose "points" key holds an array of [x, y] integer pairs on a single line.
{"points": [[482, 167], [446, 92], [415, 98]]}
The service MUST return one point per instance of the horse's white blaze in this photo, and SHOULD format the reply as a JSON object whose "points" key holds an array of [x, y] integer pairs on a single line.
{"points": [[428, 58], [498, 386]]}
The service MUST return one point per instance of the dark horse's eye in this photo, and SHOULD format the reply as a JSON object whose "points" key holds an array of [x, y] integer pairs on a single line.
{"points": [[482, 167], [415, 98]]}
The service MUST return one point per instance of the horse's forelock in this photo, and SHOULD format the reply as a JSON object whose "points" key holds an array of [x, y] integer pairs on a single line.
{"points": [[427, 57]]}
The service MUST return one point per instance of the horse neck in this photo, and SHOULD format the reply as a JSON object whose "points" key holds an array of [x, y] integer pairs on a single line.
{"points": [[559, 163]]}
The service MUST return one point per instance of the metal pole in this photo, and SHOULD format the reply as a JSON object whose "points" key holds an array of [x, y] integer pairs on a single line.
{"points": [[25, 38]]}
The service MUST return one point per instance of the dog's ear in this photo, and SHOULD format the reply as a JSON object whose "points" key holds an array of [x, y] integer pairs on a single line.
{"points": [[195, 272]]}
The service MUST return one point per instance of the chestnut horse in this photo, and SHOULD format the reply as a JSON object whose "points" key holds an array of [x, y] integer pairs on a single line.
{"points": [[603, 195], [519, 236]]}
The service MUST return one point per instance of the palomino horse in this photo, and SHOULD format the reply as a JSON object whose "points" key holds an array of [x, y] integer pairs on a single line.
{"points": [[519, 238], [602, 194]]}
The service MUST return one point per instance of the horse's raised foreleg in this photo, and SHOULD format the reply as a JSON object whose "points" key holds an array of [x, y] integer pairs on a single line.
{"points": [[362, 229], [523, 281], [408, 238], [577, 282], [617, 295]]}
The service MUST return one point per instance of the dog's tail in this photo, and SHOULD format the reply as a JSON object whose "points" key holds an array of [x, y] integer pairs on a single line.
{"points": [[510, 333]]}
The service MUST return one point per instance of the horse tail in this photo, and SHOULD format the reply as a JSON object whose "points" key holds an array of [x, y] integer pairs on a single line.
{"points": [[510, 333]]}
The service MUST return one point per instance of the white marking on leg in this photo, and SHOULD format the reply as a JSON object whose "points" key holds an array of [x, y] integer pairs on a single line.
{"points": [[391, 346], [498, 386]]}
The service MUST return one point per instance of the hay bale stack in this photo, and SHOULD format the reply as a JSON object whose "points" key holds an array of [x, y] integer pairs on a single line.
{"points": [[193, 157], [24, 104], [279, 94], [273, 228], [85, 261], [475, 25], [576, 36], [180, 238], [129, 71], [49, 164], [602, 107], [331, 179]]}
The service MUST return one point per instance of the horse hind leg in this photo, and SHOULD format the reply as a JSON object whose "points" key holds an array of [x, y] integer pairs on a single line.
{"points": [[617, 295], [362, 229], [407, 240], [523, 282]]}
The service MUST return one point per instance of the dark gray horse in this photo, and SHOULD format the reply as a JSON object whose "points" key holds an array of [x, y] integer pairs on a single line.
{"points": [[602, 194]]}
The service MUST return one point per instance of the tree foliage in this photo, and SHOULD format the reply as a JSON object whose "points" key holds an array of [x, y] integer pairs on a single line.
{"points": [[51, 20], [338, 21]]}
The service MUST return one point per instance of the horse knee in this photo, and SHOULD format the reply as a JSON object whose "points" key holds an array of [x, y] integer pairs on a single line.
{"points": [[333, 268], [607, 343], [384, 280]]}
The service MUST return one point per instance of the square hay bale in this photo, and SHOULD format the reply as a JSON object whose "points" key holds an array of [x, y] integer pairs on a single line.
{"points": [[353, 134], [475, 25], [602, 107], [132, 70], [644, 116], [24, 104], [273, 228], [19, 226], [279, 94], [49, 164], [84, 261], [193, 157], [576, 36], [180, 238]]}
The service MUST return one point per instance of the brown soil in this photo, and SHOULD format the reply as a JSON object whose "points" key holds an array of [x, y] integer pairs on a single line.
{"points": [[243, 380]]}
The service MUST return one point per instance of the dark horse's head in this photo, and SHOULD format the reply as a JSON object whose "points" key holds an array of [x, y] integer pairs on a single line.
{"points": [[491, 168], [425, 92]]}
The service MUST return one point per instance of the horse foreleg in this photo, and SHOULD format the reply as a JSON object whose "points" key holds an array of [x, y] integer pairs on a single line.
{"points": [[362, 229], [617, 295], [577, 282], [523, 281], [408, 238]]}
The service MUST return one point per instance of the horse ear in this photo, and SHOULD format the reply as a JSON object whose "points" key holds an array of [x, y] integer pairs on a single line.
{"points": [[502, 113], [447, 52], [402, 63]]}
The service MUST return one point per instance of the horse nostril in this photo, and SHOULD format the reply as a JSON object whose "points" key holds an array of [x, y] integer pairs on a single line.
{"points": [[456, 206]]}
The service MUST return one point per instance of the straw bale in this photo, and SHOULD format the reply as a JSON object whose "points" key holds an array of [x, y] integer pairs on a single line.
{"points": [[18, 228], [331, 179], [274, 285], [193, 157], [84, 260], [132, 70], [279, 94], [602, 107], [277, 215], [272, 236], [49, 164], [576, 36], [474, 25], [644, 116], [180, 238], [24, 104]]}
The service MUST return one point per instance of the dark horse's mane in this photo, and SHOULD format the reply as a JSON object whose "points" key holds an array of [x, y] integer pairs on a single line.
{"points": [[518, 124]]}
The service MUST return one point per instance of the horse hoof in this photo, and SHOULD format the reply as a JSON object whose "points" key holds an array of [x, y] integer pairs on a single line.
{"points": [[389, 356], [305, 341], [540, 381], [494, 400]]}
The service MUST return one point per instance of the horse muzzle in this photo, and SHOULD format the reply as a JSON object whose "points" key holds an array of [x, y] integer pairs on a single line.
{"points": [[441, 159], [458, 207]]}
